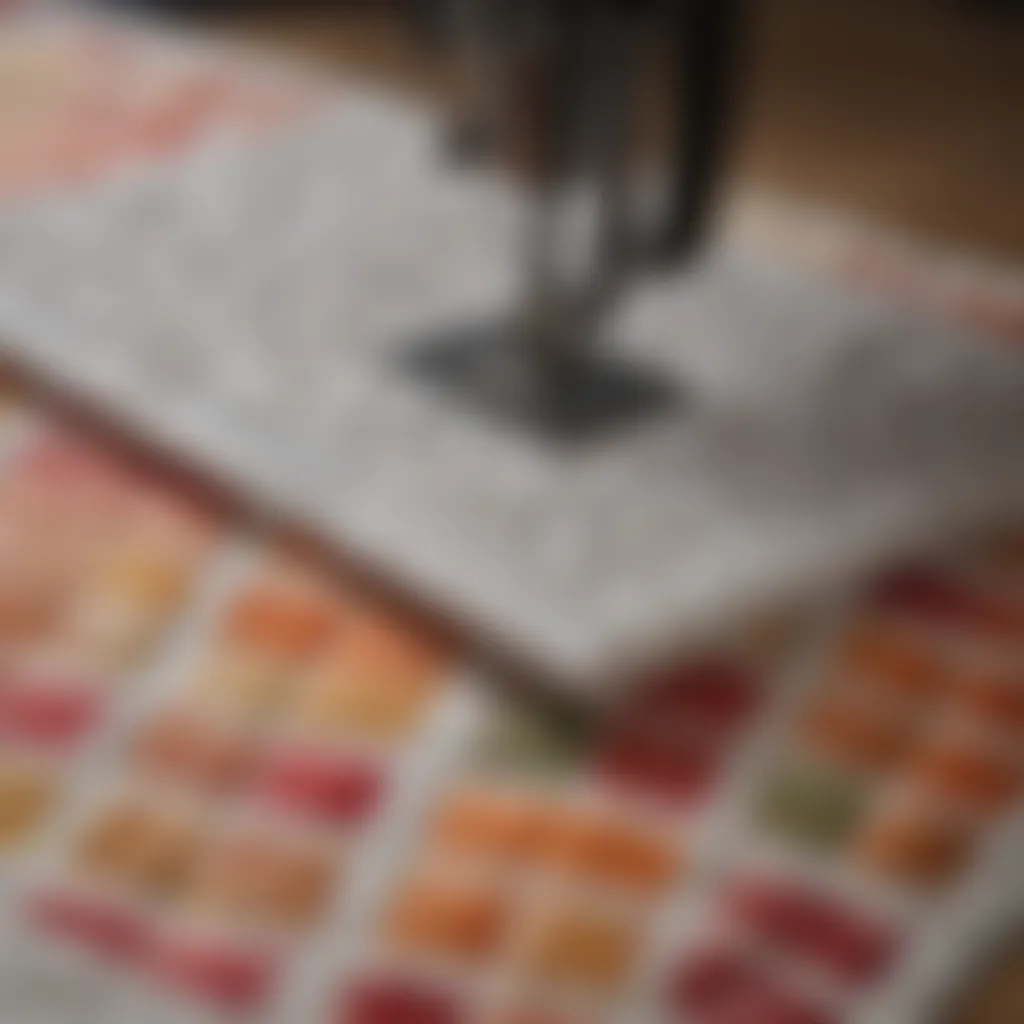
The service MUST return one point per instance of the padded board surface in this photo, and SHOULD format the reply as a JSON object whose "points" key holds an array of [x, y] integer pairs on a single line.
{"points": [[248, 304]]}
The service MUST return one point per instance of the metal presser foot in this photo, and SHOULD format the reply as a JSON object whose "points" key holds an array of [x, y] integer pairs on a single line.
{"points": [[565, 404], [558, 100]]}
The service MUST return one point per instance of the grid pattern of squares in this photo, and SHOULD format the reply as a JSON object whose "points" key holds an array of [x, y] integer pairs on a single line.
{"points": [[898, 769], [97, 556], [546, 860], [918, 722], [549, 869], [253, 780]]}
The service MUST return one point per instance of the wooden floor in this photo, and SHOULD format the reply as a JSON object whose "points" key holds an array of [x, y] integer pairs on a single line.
{"points": [[907, 110]]}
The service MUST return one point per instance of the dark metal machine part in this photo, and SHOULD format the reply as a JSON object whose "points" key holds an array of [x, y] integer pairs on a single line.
{"points": [[555, 86]]}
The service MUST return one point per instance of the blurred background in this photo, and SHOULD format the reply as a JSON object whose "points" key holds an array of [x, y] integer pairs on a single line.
{"points": [[908, 113]]}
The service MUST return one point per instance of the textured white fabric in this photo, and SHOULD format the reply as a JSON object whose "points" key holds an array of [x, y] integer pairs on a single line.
{"points": [[248, 306]]}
